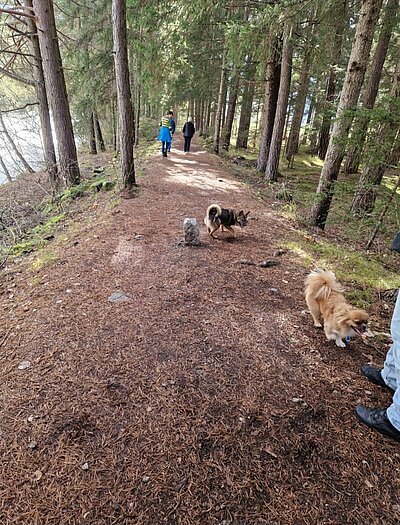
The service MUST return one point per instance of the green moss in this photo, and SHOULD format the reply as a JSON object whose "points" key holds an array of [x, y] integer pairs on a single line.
{"points": [[102, 184], [28, 246], [367, 275], [73, 192], [44, 258]]}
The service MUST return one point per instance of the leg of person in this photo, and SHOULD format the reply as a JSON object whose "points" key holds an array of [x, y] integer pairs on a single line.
{"points": [[185, 144], [387, 421], [393, 412], [170, 144], [188, 144], [164, 148], [391, 368]]}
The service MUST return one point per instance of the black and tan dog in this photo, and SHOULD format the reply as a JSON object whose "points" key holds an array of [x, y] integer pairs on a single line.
{"points": [[217, 217]]}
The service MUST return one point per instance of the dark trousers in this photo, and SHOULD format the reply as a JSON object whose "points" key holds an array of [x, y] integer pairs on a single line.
{"points": [[186, 147], [164, 148]]}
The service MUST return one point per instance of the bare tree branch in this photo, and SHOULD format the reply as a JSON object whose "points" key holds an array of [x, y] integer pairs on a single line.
{"points": [[19, 109], [15, 12], [16, 53], [16, 77]]}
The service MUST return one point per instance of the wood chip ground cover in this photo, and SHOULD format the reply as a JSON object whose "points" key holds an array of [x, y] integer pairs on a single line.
{"points": [[208, 398]]}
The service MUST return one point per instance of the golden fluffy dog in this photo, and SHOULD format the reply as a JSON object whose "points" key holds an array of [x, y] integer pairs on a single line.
{"points": [[324, 298]]}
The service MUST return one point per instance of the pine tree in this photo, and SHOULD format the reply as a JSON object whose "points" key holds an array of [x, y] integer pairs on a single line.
{"points": [[350, 92], [126, 139], [56, 90]]}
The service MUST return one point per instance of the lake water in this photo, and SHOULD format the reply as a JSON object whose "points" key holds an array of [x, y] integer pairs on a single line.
{"points": [[24, 128]]}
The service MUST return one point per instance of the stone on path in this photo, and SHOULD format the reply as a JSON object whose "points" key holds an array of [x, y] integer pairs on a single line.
{"points": [[120, 297], [191, 232]]}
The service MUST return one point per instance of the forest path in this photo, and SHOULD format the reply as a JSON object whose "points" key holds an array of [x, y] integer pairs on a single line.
{"points": [[206, 398]]}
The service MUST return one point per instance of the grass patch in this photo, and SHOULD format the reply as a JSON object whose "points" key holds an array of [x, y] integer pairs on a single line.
{"points": [[368, 276], [44, 258], [38, 237]]}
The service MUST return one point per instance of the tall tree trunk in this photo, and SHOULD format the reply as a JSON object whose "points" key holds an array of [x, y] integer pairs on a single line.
{"points": [[271, 169], [126, 122], [273, 78], [233, 93], [114, 124], [223, 113], [136, 121], [56, 90], [99, 134], [92, 135], [19, 155], [339, 22], [292, 145], [5, 169], [348, 99], [44, 113], [218, 115], [209, 117], [371, 177], [257, 123], [360, 125], [247, 105], [395, 153], [201, 123]]}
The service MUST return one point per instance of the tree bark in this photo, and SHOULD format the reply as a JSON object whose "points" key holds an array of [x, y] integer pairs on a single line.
{"points": [[365, 196], [224, 96], [99, 134], [92, 135], [114, 124], [233, 93], [126, 123], [273, 77], [271, 169], [348, 99], [247, 105], [201, 126], [339, 21], [24, 162], [41, 94], [360, 125], [395, 153], [292, 145], [218, 115], [56, 90], [136, 121]]}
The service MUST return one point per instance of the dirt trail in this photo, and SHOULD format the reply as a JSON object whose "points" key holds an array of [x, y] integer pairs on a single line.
{"points": [[206, 399]]}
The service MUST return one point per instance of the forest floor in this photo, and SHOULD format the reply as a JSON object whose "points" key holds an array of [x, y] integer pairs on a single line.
{"points": [[205, 397]]}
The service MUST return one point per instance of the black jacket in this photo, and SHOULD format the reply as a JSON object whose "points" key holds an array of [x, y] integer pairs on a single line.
{"points": [[188, 129]]}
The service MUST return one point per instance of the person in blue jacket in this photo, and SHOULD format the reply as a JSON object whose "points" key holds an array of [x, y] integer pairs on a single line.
{"points": [[164, 135], [386, 421], [172, 126]]}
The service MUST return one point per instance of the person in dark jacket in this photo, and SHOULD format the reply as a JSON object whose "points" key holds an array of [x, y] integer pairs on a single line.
{"points": [[188, 132], [172, 126]]}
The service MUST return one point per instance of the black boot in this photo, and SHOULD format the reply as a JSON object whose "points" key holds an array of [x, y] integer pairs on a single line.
{"points": [[377, 420], [374, 375]]}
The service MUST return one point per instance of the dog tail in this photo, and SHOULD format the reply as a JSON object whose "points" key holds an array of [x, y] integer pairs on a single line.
{"points": [[321, 283], [213, 211]]}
